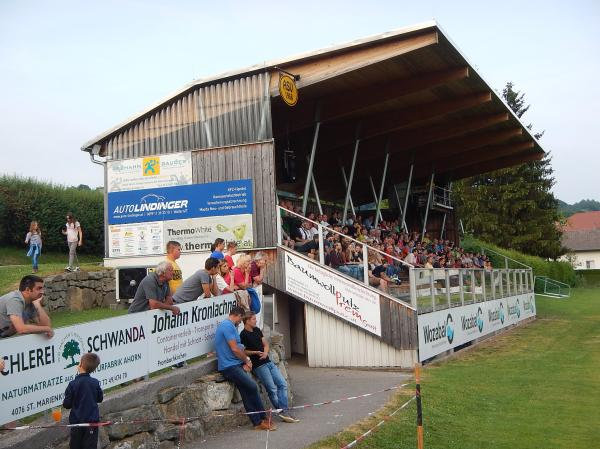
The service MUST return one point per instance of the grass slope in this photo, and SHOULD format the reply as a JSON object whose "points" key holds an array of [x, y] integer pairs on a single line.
{"points": [[537, 386]]}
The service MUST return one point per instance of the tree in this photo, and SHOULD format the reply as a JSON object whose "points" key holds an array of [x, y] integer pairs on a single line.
{"points": [[71, 350], [514, 207]]}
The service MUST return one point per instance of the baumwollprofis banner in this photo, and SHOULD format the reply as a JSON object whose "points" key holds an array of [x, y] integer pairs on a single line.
{"points": [[38, 369], [149, 172], [446, 329], [333, 293], [213, 199]]}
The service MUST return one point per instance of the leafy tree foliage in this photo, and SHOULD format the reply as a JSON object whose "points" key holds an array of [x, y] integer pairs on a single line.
{"points": [[514, 207]]}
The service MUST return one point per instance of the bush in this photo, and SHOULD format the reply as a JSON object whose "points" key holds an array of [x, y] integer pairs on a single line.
{"points": [[560, 271], [588, 278], [25, 199]]}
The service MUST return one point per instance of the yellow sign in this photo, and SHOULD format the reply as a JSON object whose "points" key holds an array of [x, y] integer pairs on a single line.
{"points": [[151, 166], [288, 89]]}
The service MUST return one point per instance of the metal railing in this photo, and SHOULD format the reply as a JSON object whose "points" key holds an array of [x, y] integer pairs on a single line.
{"points": [[442, 196], [358, 271], [443, 288], [552, 288]]}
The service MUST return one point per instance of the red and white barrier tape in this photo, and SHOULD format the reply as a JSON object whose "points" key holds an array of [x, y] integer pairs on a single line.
{"points": [[379, 424], [182, 420]]}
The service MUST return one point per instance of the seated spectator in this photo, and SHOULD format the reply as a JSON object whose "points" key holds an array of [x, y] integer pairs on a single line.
{"points": [[257, 347], [324, 221], [304, 239], [153, 292], [231, 250], [217, 249], [22, 310], [235, 366], [200, 284], [241, 273], [224, 286]]}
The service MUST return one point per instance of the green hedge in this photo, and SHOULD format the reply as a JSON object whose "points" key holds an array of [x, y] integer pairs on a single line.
{"points": [[560, 271], [25, 199], [588, 278]]}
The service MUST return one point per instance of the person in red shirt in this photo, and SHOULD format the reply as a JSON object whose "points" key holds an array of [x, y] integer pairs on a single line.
{"points": [[241, 272], [231, 250]]}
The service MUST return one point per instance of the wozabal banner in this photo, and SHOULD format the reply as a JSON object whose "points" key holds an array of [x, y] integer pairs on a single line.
{"points": [[333, 293], [446, 329], [38, 369], [213, 199], [165, 170]]}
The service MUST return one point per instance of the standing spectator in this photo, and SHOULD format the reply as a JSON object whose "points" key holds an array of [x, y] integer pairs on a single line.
{"points": [[82, 396], [223, 280], [20, 308], [234, 365], [34, 238], [74, 235], [257, 347], [153, 291], [200, 284], [174, 253], [217, 249], [241, 273], [257, 268], [231, 250]]}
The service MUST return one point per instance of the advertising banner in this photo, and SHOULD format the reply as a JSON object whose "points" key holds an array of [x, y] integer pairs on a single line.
{"points": [[166, 170], [136, 239], [446, 329], [38, 370], [333, 293], [175, 338], [197, 234], [181, 202]]}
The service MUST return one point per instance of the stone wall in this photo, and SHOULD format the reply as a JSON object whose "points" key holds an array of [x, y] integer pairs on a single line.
{"points": [[193, 391], [80, 290]]}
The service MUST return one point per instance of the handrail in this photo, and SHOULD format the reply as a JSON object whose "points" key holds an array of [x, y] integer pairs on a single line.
{"points": [[320, 226], [483, 250]]}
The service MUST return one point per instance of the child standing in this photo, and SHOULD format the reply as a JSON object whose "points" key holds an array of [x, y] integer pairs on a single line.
{"points": [[82, 396], [34, 238]]}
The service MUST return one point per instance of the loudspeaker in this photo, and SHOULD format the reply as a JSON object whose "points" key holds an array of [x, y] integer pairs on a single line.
{"points": [[128, 280]]}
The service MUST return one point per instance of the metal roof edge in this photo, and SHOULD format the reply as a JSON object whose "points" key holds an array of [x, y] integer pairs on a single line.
{"points": [[258, 67]]}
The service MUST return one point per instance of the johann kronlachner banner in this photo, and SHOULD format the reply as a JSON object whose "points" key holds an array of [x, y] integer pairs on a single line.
{"points": [[333, 293], [214, 199], [446, 329], [38, 369], [165, 170]]}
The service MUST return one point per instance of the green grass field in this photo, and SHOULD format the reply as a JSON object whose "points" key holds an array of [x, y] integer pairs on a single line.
{"points": [[537, 386]]}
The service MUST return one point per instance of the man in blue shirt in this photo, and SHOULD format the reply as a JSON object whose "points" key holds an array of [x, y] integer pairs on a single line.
{"points": [[235, 366], [217, 249]]}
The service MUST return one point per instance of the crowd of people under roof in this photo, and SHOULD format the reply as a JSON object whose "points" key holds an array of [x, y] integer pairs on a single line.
{"points": [[388, 246]]}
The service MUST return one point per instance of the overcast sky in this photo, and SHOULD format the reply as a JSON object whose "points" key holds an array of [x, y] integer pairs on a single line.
{"points": [[71, 70]]}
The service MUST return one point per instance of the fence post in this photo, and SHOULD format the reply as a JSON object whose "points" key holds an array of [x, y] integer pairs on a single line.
{"points": [[447, 280], [483, 285], [321, 247], [431, 288], [461, 286], [413, 288], [279, 230], [365, 253]]}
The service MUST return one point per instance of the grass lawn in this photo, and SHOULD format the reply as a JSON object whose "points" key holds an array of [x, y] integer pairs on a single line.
{"points": [[67, 318], [537, 386], [10, 255]]}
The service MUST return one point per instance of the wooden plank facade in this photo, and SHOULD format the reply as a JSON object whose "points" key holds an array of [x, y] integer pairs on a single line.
{"points": [[252, 161]]}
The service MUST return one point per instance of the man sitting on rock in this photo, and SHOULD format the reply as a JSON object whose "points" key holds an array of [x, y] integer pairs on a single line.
{"points": [[235, 366], [257, 347]]}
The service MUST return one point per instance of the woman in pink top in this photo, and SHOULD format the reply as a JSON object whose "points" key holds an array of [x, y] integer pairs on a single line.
{"points": [[241, 273]]}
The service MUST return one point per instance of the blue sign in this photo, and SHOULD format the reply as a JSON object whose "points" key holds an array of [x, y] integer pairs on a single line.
{"points": [[178, 202]]}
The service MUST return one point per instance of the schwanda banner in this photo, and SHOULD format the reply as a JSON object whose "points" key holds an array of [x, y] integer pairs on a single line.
{"points": [[333, 293], [38, 369], [446, 329]]}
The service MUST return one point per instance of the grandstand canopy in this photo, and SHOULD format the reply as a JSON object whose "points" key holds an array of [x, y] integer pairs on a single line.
{"points": [[410, 92]]}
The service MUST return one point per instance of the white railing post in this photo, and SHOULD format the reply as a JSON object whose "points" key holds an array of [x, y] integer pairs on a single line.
{"points": [[321, 247], [461, 286], [279, 229], [500, 283], [473, 289], [432, 289], [483, 285], [447, 280], [413, 288], [365, 253]]}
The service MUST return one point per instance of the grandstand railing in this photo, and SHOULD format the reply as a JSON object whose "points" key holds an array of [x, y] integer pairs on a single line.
{"points": [[552, 288], [443, 288], [441, 197], [358, 272], [426, 289]]}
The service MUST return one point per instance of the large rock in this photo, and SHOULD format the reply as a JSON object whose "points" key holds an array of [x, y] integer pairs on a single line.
{"points": [[90, 299], [190, 404], [95, 275], [167, 394], [140, 441], [143, 414], [108, 299], [215, 423], [74, 299], [108, 284], [217, 396]]}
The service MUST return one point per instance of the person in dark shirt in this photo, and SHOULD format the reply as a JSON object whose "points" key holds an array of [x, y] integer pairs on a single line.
{"points": [[257, 347], [82, 396]]}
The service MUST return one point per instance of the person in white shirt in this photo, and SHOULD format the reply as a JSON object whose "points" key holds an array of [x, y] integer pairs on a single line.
{"points": [[74, 235]]}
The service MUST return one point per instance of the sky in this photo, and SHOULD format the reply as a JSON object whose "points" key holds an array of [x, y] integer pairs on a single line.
{"points": [[70, 70]]}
